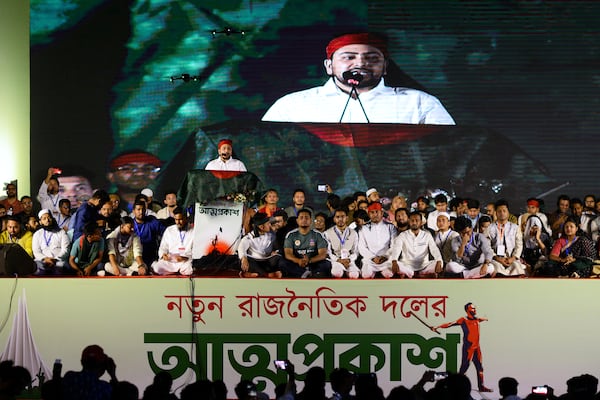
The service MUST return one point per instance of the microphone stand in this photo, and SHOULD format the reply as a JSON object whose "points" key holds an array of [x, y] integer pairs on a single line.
{"points": [[354, 83]]}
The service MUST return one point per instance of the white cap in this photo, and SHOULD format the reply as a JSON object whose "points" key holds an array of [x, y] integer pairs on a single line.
{"points": [[445, 214], [371, 191], [42, 212], [148, 192]]}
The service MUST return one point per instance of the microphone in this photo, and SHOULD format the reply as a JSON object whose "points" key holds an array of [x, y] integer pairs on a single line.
{"points": [[352, 77]]}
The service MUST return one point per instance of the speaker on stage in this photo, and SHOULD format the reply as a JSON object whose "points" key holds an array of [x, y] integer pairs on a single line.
{"points": [[15, 260]]}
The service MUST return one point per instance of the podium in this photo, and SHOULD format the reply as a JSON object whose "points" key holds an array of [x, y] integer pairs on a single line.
{"points": [[219, 200]]}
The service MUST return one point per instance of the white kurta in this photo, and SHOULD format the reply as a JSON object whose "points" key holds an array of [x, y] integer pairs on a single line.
{"points": [[382, 104]]}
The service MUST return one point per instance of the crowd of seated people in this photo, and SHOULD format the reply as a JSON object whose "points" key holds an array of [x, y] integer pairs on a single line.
{"points": [[87, 383], [360, 236]]}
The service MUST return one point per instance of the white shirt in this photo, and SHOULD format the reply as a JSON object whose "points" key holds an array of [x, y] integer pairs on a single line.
{"points": [[232, 164], [376, 239], [382, 104], [176, 242], [415, 249], [49, 201], [258, 247], [50, 244]]}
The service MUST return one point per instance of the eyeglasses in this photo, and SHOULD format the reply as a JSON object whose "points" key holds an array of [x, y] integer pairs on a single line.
{"points": [[131, 169]]}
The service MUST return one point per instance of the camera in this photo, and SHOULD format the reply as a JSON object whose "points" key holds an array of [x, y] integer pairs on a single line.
{"points": [[542, 389], [321, 188], [438, 376], [280, 364]]}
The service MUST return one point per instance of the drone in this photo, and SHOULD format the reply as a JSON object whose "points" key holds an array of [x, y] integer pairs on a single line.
{"points": [[227, 31], [184, 77]]}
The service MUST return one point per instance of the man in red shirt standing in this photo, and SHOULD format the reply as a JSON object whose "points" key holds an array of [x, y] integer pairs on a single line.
{"points": [[471, 350]]}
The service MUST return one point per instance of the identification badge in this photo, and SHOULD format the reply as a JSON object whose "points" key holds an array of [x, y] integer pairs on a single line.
{"points": [[500, 250], [345, 253]]}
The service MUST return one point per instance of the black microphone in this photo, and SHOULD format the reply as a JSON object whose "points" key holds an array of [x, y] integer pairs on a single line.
{"points": [[352, 77]]}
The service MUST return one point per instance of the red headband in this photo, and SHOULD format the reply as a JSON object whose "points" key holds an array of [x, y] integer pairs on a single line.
{"points": [[370, 39], [374, 206], [224, 141], [129, 158], [534, 203]]}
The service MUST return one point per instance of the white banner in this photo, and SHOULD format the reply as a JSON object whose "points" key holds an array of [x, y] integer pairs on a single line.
{"points": [[217, 228]]}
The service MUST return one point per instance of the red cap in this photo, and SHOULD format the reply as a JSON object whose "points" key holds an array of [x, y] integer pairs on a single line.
{"points": [[371, 39], [375, 206], [135, 157], [224, 141], [534, 203]]}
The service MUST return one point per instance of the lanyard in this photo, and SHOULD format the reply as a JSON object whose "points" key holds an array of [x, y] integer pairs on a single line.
{"points": [[182, 237], [469, 244], [443, 242], [342, 239], [567, 248], [47, 240], [139, 229]]}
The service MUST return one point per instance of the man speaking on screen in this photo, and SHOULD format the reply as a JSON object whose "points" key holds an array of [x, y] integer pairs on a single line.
{"points": [[356, 91]]}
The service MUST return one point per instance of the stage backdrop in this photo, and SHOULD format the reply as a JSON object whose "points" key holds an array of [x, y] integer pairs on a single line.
{"points": [[539, 331]]}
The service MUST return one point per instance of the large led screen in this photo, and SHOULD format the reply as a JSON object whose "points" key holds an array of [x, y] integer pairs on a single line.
{"points": [[171, 78]]}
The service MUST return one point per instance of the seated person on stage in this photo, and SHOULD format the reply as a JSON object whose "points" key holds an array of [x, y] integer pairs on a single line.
{"points": [[125, 251], [87, 251], [149, 230], [11, 202], [588, 214], [281, 226], [360, 218], [506, 241], [106, 220], [50, 245], [473, 212], [14, 233], [257, 251], [305, 251], [116, 203], [411, 251], [558, 217], [444, 236], [571, 255], [269, 202], [143, 198], [27, 212], [48, 194], [536, 244], [533, 208], [363, 56], [298, 199], [175, 251], [343, 247], [472, 252], [441, 206], [88, 212], [170, 203], [64, 217], [372, 196], [32, 223], [483, 224], [152, 205], [320, 222], [374, 243], [225, 161], [401, 216]]}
